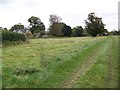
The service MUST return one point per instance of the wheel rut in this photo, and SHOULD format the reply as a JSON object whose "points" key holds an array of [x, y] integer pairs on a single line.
{"points": [[81, 70]]}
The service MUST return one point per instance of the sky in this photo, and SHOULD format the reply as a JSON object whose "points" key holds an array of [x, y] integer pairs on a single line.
{"points": [[72, 12], [119, 15]]}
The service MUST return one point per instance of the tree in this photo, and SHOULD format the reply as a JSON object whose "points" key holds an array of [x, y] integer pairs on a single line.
{"points": [[54, 19], [56, 25], [66, 30], [115, 32], [56, 29], [94, 25], [104, 32], [77, 31], [36, 25], [5, 29], [18, 26], [85, 33]]}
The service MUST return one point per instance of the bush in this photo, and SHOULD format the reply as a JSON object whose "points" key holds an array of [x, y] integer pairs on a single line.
{"points": [[12, 38]]}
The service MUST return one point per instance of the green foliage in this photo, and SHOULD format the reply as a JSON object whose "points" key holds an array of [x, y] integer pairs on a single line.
{"points": [[94, 25], [115, 32], [11, 37], [56, 29], [67, 31], [60, 29], [104, 32], [77, 31], [55, 25], [12, 43], [85, 33], [18, 26], [5, 29], [36, 25]]}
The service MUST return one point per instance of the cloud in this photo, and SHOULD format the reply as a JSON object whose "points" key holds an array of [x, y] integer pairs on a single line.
{"points": [[119, 15], [4, 1], [73, 12]]}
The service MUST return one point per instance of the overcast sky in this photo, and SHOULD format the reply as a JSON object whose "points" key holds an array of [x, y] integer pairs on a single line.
{"points": [[72, 12]]}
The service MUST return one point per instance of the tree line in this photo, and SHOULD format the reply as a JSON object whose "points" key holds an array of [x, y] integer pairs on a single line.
{"points": [[93, 26]]}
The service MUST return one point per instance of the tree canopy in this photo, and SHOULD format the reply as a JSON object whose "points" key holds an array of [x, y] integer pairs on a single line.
{"points": [[56, 25], [18, 26], [36, 25], [58, 28], [94, 25], [54, 19], [77, 31], [66, 30]]}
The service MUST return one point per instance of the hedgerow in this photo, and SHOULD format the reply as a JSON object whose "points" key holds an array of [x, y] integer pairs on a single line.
{"points": [[12, 38]]}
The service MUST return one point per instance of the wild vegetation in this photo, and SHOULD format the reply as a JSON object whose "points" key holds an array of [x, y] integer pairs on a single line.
{"points": [[9, 38], [82, 62]]}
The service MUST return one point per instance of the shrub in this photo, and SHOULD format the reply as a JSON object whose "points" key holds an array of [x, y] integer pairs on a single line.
{"points": [[12, 38]]}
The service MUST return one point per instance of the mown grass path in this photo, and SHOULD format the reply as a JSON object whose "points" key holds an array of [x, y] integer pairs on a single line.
{"points": [[104, 73], [112, 62], [87, 64], [62, 63]]}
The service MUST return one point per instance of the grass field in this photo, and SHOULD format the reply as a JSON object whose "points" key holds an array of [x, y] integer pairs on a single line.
{"points": [[81, 62]]}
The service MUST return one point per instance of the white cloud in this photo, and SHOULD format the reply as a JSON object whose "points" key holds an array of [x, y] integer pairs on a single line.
{"points": [[73, 12]]}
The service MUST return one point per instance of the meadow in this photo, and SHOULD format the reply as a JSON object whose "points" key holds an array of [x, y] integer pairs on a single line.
{"points": [[75, 62]]}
